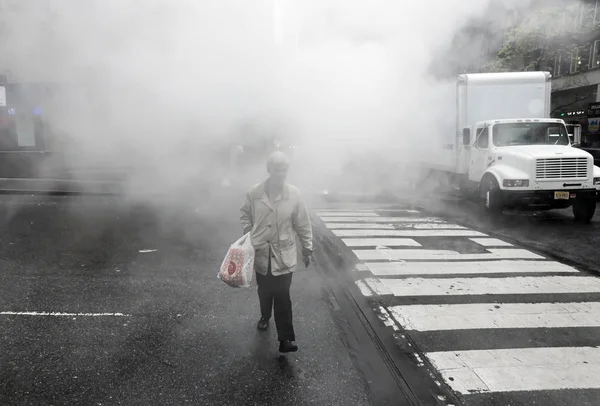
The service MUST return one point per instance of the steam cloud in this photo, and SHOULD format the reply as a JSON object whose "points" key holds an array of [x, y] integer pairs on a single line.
{"points": [[161, 85]]}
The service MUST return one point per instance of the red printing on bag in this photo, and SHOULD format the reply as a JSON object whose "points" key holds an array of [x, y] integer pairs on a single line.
{"points": [[232, 270], [232, 267]]}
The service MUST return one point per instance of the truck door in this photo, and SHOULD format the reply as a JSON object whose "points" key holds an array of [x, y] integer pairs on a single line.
{"points": [[478, 154]]}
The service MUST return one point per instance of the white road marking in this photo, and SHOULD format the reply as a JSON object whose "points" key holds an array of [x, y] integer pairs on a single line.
{"points": [[466, 267], [340, 212], [61, 314], [407, 233], [429, 226], [347, 214], [367, 226], [386, 317], [375, 226], [446, 255], [490, 286], [482, 370], [374, 242], [497, 315], [387, 220], [490, 242], [522, 369], [364, 289], [147, 251], [377, 287]]}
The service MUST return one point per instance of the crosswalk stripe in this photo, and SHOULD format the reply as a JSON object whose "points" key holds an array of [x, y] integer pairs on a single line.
{"points": [[385, 220], [322, 210], [363, 226], [447, 301], [492, 286], [443, 255], [466, 267], [408, 233], [428, 226], [490, 242], [347, 214], [497, 315], [374, 242], [375, 226], [372, 287], [509, 370]]}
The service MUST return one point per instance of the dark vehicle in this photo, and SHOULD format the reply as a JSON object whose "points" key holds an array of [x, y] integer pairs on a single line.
{"points": [[36, 159]]}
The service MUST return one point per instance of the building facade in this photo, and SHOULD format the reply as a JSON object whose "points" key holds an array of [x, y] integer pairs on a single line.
{"points": [[558, 36], [573, 58]]}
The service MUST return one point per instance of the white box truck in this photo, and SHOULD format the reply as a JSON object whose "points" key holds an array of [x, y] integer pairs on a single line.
{"points": [[507, 152]]}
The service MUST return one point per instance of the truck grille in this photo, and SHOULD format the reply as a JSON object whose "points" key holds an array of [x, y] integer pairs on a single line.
{"points": [[561, 168]]}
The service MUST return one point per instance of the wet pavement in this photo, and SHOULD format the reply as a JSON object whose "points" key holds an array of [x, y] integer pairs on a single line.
{"points": [[104, 303]]}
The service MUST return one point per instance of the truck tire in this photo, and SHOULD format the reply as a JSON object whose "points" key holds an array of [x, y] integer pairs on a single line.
{"points": [[583, 210], [491, 194]]}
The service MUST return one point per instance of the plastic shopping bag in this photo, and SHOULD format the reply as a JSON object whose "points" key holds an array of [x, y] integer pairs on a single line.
{"points": [[238, 266]]}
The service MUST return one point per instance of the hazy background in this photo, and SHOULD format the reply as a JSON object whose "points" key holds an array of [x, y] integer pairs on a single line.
{"points": [[158, 86]]}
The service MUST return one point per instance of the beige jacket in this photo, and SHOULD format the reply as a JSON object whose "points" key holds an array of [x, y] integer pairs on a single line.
{"points": [[275, 225]]}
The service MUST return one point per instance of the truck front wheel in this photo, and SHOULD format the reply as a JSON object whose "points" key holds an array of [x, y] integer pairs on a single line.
{"points": [[491, 194], [584, 209]]}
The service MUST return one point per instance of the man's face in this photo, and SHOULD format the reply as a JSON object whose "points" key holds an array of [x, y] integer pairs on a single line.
{"points": [[278, 172]]}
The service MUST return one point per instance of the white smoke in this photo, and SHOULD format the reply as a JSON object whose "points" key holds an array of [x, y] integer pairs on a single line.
{"points": [[167, 82]]}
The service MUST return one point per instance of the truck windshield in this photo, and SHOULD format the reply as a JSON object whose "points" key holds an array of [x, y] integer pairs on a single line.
{"points": [[529, 134]]}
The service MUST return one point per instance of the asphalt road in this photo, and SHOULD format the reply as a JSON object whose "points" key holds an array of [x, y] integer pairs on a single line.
{"points": [[137, 315], [105, 301]]}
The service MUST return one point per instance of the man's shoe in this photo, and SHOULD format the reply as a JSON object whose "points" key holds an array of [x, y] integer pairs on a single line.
{"points": [[262, 324], [287, 346]]}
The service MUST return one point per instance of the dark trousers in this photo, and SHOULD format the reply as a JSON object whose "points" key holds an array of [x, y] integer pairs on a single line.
{"points": [[274, 294]]}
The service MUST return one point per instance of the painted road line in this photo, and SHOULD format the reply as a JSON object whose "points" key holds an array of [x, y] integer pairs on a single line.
{"points": [[364, 289], [466, 267], [428, 226], [407, 233], [497, 315], [361, 212], [443, 255], [63, 314], [492, 286], [375, 226], [363, 226], [385, 220], [372, 287], [490, 242], [347, 214], [374, 242], [523, 369]]}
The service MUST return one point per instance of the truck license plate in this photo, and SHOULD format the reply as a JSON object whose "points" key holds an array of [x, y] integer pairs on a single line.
{"points": [[561, 195]]}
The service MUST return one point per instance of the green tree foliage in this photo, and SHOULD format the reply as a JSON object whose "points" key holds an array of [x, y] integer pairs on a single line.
{"points": [[537, 30]]}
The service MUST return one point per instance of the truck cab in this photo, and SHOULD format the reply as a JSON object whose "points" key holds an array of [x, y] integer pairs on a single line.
{"points": [[530, 163]]}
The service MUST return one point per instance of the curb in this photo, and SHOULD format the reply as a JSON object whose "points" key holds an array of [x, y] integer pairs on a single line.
{"points": [[391, 372]]}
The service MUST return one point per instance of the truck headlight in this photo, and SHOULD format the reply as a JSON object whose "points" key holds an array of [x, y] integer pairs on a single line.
{"points": [[596, 181], [515, 182]]}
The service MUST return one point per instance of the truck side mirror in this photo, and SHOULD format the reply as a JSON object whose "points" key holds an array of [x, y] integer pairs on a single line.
{"points": [[466, 136], [577, 135]]}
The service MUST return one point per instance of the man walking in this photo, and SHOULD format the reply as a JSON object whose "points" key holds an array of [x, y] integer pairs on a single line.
{"points": [[274, 213]]}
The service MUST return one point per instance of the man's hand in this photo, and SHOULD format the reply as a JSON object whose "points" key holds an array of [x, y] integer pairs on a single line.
{"points": [[307, 254], [307, 260]]}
